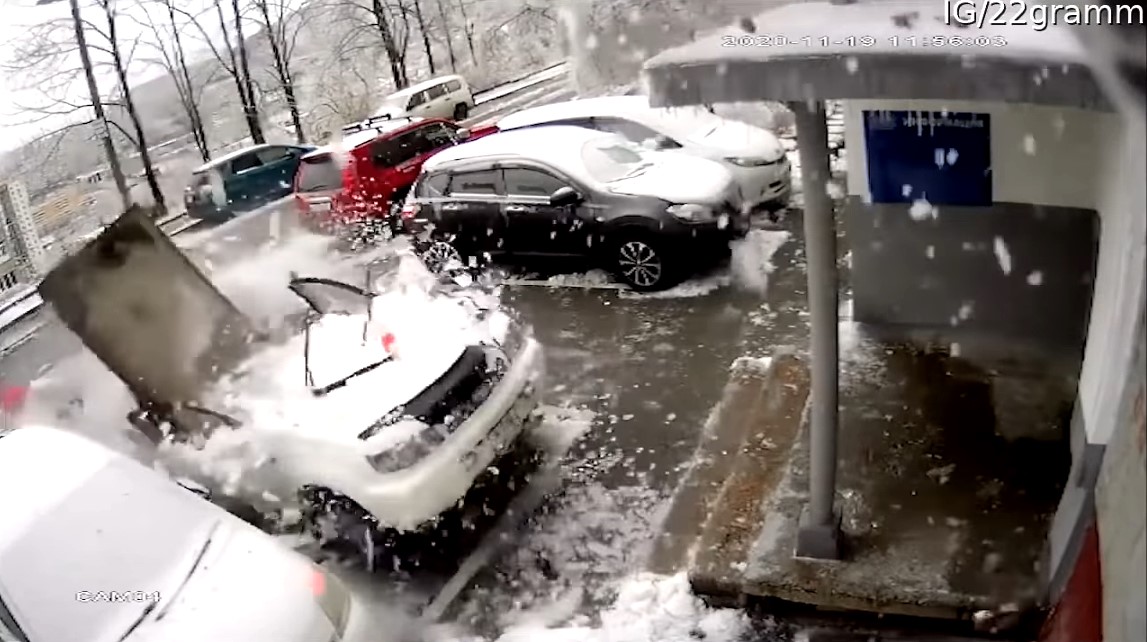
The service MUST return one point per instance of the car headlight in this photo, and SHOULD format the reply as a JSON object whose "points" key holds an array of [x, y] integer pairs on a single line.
{"points": [[754, 161], [406, 454], [693, 213]]}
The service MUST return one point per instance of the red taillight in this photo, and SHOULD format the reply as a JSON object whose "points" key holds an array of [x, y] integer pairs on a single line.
{"points": [[409, 210], [318, 583]]}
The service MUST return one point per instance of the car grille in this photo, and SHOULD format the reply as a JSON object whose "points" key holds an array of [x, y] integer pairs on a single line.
{"points": [[449, 401]]}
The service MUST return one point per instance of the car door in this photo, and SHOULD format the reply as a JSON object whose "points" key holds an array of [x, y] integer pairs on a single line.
{"points": [[533, 226], [471, 211], [280, 162], [243, 181]]}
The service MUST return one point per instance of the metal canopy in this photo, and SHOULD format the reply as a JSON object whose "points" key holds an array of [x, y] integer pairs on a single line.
{"points": [[811, 51]]}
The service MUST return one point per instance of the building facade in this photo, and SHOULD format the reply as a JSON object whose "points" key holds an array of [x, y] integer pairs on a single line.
{"points": [[22, 255]]}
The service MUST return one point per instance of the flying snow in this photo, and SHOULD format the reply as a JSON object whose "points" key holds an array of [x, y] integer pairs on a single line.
{"points": [[1003, 257], [921, 209]]}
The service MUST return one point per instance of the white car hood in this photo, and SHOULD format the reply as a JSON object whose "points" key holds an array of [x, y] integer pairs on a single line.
{"points": [[246, 587], [679, 178], [733, 138], [429, 335]]}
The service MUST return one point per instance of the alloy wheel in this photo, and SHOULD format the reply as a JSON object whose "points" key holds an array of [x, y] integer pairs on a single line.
{"points": [[441, 255], [640, 264]]}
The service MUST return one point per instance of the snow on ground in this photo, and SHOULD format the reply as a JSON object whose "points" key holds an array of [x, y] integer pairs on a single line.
{"points": [[749, 267], [646, 608], [860, 355]]}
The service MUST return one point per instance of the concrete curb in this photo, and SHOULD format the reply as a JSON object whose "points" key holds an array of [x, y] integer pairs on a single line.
{"points": [[707, 531], [770, 429]]}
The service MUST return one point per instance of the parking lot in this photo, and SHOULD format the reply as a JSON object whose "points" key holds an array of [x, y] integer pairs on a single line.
{"points": [[630, 380]]}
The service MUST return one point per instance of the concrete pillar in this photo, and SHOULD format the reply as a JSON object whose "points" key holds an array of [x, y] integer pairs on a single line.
{"points": [[819, 534]]}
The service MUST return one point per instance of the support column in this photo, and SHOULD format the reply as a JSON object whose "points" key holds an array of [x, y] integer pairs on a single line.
{"points": [[819, 534]]}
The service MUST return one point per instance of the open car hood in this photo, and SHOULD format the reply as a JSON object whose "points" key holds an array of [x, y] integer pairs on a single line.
{"points": [[359, 377]]}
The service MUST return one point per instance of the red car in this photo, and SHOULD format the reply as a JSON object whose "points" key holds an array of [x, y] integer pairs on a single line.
{"points": [[371, 168]]}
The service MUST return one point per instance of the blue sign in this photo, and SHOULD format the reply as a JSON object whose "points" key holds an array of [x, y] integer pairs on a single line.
{"points": [[942, 157]]}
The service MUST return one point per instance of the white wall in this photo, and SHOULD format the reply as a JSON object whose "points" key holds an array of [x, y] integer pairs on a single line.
{"points": [[1040, 155], [1070, 158], [1118, 281]]}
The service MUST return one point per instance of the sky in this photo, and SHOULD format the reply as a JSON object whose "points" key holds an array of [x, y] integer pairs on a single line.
{"points": [[15, 128]]}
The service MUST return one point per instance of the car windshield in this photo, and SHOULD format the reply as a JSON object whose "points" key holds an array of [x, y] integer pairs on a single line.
{"points": [[688, 123], [319, 174], [328, 296], [612, 159], [125, 529]]}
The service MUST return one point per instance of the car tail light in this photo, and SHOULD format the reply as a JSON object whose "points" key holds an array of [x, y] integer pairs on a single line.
{"points": [[332, 596], [410, 210]]}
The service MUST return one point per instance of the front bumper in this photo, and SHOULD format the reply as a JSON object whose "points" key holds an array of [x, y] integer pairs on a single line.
{"points": [[766, 184], [414, 496]]}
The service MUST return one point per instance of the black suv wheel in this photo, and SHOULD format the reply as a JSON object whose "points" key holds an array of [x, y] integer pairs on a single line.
{"points": [[640, 260]]}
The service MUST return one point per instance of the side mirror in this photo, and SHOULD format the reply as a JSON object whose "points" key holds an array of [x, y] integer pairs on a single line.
{"points": [[564, 196], [462, 134]]}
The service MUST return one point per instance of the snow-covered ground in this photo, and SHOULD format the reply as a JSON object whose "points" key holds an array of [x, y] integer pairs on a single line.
{"points": [[748, 269]]}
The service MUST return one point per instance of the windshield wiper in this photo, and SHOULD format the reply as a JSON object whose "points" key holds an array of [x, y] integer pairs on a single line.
{"points": [[330, 387], [140, 620], [186, 578], [636, 171]]}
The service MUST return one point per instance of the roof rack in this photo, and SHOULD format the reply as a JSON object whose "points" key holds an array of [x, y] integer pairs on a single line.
{"points": [[369, 123]]}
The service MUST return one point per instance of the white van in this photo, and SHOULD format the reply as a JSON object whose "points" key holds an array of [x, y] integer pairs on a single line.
{"points": [[443, 97], [95, 547]]}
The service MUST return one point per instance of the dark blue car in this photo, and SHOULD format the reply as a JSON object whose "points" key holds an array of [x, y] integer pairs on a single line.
{"points": [[242, 180]]}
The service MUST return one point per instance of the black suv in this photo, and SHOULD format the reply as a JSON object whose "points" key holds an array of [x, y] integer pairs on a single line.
{"points": [[650, 217]]}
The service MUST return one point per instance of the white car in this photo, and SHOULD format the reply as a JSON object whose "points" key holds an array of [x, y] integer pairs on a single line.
{"points": [[381, 414], [755, 156], [95, 547], [446, 97]]}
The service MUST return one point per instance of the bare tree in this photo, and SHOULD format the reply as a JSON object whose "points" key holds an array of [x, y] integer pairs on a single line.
{"points": [[251, 107], [377, 21], [120, 65], [47, 59], [282, 26], [468, 30], [447, 36], [416, 9], [225, 55], [169, 46], [344, 94]]}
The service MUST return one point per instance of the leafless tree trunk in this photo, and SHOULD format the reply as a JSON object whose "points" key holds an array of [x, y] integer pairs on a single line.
{"points": [[281, 49], [447, 36], [160, 209], [468, 29], [245, 68], [242, 85], [395, 57], [190, 100], [417, 7]]}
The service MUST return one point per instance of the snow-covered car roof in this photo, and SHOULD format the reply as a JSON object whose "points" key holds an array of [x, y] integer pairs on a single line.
{"points": [[562, 147], [600, 106], [230, 156]]}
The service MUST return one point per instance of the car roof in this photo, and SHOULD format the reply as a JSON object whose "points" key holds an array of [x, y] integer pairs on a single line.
{"points": [[600, 106], [376, 130], [230, 156], [39, 467], [561, 149], [426, 84]]}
